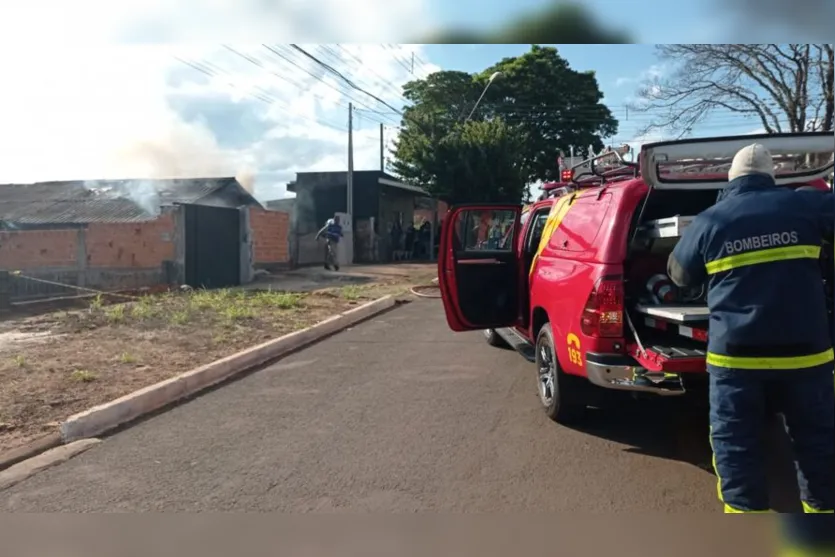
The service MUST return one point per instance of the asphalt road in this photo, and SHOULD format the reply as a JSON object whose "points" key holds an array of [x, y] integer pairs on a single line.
{"points": [[395, 415]]}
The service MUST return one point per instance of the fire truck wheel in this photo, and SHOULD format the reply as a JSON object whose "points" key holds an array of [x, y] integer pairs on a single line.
{"points": [[562, 396], [493, 339]]}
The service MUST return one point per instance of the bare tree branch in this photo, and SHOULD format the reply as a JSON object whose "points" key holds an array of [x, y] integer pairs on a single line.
{"points": [[782, 86]]}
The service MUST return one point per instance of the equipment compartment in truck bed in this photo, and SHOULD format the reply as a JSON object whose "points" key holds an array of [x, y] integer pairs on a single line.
{"points": [[670, 227], [675, 313], [660, 352]]}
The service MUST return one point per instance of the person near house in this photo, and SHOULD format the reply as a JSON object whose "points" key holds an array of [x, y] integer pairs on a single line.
{"points": [[331, 232], [769, 346]]}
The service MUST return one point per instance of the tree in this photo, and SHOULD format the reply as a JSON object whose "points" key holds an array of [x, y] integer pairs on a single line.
{"points": [[556, 107], [786, 87], [548, 106], [473, 162]]}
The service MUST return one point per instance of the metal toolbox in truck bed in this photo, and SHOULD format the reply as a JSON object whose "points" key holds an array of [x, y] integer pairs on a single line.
{"points": [[670, 227]]}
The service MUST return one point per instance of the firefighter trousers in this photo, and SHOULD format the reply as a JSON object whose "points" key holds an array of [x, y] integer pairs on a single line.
{"points": [[740, 403]]}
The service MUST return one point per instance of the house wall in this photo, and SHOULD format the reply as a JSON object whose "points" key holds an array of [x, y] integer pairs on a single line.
{"points": [[106, 256], [122, 256], [270, 238]]}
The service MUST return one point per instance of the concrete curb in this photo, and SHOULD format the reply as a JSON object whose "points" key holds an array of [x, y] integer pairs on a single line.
{"points": [[33, 448], [110, 415], [22, 470]]}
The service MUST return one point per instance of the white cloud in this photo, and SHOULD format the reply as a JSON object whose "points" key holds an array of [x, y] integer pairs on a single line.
{"points": [[111, 111], [652, 73], [649, 137]]}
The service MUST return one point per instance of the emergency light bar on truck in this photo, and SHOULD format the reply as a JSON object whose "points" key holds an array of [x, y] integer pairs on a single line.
{"points": [[591, 170]]}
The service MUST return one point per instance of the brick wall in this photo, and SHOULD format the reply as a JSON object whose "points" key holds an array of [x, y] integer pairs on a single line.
{"points": [[109, 256], [131, 245], [270, 237], [38, 249]]}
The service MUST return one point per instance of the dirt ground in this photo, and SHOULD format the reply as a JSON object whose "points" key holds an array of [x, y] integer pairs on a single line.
{"points": [[56, 364]]}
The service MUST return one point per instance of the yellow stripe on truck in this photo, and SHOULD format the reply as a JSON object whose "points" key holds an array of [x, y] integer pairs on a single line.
{"points": [[558, 212]]}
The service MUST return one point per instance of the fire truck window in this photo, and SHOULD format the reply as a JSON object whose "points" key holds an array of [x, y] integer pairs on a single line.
{"points": [[537, 227], [487, 230]]}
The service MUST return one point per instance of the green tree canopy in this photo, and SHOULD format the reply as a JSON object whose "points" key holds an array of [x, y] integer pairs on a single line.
{"points": [[473, 161], [481, 161], [537, 100]]}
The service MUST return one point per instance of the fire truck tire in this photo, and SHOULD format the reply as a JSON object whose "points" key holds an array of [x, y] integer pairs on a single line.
{"points": [[493, 339], [562, 396]]}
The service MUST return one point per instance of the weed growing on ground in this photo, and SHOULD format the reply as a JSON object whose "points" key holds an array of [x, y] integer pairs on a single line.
{"points": [[127, 358], [115, 313], [145, 308], [351, 292], [180, 317], [19, 360], [83, 376]]}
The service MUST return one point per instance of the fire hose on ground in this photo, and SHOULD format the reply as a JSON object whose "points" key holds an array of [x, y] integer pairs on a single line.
{"points": [[433, 287]]}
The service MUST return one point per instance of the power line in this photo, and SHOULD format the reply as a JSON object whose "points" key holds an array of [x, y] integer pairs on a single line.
{"points": [[260, 94], [338, 90], [261, 65], [345, 79], [396, 89]]}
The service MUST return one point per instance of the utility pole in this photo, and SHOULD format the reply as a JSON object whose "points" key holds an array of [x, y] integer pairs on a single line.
{"points": [[382, 149], [413, 63], [350, 188]]}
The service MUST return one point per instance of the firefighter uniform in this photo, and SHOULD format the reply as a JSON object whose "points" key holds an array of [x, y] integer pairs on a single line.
{"points": [[769, 341]]}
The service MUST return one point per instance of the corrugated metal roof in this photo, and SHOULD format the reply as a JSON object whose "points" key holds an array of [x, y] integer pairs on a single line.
{"points": [[80, 202]]}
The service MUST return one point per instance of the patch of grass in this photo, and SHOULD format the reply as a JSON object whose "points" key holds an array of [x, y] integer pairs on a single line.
{"points": [[180, 317], [127, 358], [19, 360], [278, 300], [351, 292], [115, 313], [83, 376], [237, 312], [97, 303], [145, 308]]}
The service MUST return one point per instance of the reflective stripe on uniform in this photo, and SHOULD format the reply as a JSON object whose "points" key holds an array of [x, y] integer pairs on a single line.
{"points": [[795, 362], [727, 508], [762, 256], [730, 510], [809, 509], [804, 552]]}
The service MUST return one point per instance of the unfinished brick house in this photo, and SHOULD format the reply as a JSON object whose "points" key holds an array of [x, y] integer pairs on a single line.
{"points": [[129, 234]]}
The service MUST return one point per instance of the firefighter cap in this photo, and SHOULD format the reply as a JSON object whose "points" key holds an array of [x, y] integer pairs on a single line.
{"points": [[752, 159]]}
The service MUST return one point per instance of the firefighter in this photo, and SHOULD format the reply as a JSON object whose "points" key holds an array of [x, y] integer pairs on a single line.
{"points": [[769, 346]]}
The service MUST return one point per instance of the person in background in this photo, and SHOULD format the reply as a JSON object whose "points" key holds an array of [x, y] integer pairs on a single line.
{"points": [[332, 232], [769, 345]]}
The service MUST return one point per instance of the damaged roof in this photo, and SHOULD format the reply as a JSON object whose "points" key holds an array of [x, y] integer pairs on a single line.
{"points": [[81, 202]]}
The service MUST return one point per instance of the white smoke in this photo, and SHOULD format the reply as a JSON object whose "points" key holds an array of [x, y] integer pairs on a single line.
{"points": [[142, 192]]}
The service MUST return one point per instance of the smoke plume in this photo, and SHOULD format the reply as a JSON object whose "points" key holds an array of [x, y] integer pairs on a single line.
{"points": [[246, 178]]}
